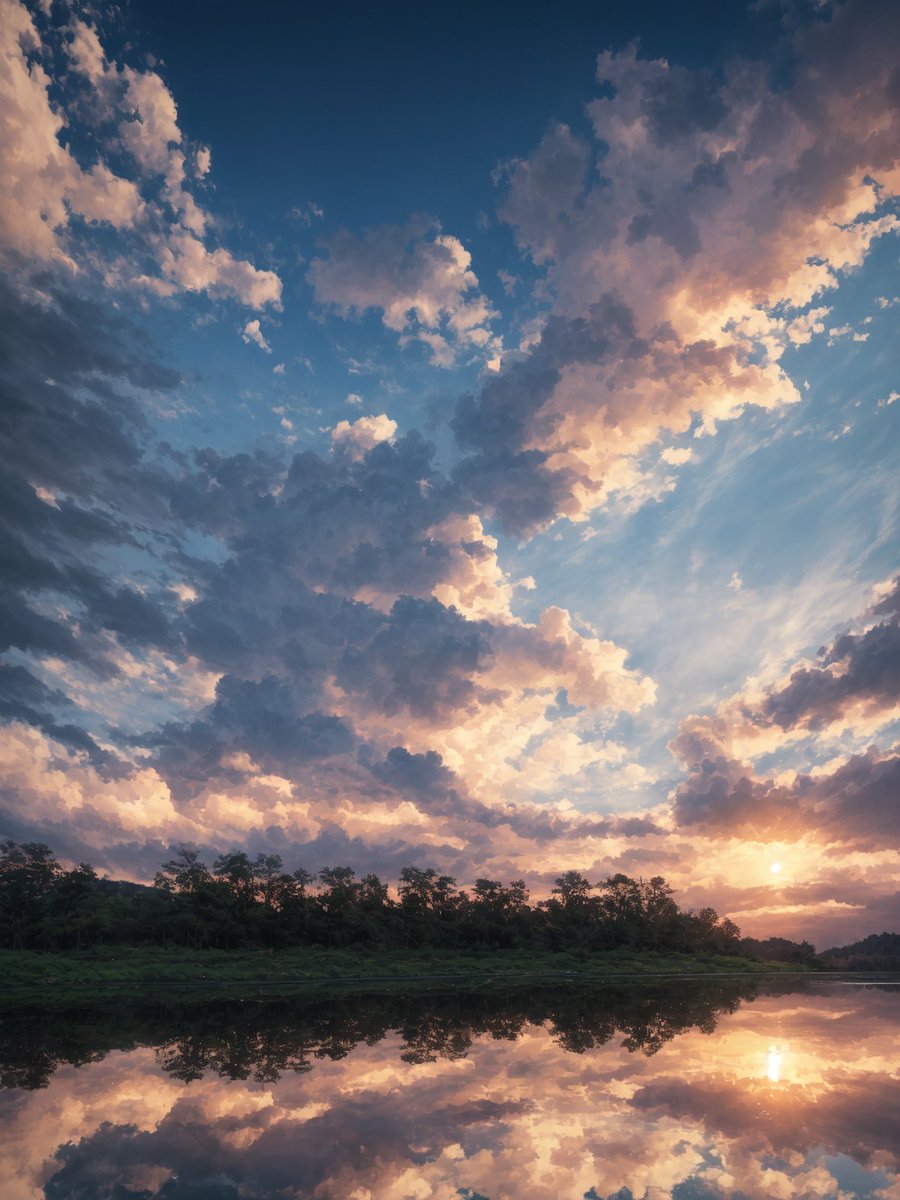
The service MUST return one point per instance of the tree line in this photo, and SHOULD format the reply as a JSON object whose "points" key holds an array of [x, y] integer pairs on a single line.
{"points": [[877, 952], [236, 1039], [239, 902]]}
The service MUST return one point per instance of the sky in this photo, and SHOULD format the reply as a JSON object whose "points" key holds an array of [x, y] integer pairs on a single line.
{"points": [[457, 436]]}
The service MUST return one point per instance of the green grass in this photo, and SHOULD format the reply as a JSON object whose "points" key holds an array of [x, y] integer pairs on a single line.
{"points": [[100, 967]]}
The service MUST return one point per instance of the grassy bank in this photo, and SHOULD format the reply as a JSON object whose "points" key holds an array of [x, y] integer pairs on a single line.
{"points": [[150, 966]]}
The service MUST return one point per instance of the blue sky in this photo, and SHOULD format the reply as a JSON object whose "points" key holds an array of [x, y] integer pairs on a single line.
{"points": [[458, 435]]}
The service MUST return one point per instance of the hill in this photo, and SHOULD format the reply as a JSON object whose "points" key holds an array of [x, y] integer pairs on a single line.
{"points": [[877, 952]]}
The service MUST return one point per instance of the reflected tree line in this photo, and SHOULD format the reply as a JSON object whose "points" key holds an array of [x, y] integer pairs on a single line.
{"points": [[262, 1039], [244, 902]]}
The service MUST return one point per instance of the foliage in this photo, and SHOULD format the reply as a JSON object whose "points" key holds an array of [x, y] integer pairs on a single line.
{"points": [[877, 952], [778, 949], [259, 1038], [244, 903]]}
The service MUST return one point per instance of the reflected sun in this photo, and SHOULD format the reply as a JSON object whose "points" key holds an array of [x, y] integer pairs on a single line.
{"points": [[773, 1064]]}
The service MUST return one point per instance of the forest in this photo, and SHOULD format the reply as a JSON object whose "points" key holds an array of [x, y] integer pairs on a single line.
{"points": [[239, 903], [260, 1039]]}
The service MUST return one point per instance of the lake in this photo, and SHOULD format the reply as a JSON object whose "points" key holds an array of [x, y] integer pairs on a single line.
{"points": [[682, 1089]]}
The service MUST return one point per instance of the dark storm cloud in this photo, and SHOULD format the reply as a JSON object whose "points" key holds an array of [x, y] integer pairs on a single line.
{"points": [[520, 488], [502, 473], [854, 805], [682, 102], [278, 616], [338, 523], [846, 1112], [423, 658], [67, 420], [856, 667], [70, 425], [420, 774], [671, 224], [889, 604], [858, 803], [286, 1157], [420, 656], [512, 427], [25, 698], [434, 788], [259, 718]]}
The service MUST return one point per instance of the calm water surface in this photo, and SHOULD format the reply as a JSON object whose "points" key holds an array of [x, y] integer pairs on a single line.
{"points": [[683, 1091]]}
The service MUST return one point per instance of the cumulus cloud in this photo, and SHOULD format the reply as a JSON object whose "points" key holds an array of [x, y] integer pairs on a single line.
{"points": [[324, 653], [75, 376], [684, 247], [203, 160], [152, 205], [852, 686], [358, 437], [252, 333], [419, 279], [42, 177], [186, 264], [87, 53], [385, 605], [356, 622]]}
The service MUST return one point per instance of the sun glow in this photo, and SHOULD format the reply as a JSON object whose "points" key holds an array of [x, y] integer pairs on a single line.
{"points": [[775, 868], [773, 1064]]}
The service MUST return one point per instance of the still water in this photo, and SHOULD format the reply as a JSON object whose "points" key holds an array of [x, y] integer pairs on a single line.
{"points": [[684, 1090]]}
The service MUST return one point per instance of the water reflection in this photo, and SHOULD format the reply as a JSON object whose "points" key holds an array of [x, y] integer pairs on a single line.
{"points": [[773, 1064], [677, 1092]]}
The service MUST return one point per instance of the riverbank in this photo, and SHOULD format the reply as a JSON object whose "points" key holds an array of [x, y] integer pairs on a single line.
{"points": [[103, 967]]}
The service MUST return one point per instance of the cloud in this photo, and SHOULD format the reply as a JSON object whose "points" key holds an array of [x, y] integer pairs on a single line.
{"points": [[362, 435], [253, 333], [74, 376], [418, 278], [43, 178], [852, 682], [150, 205], [851, 806], [307, 213], [858, 672], [87, 53], [153, 130], [364, 583], [683, 247], [676, 456], [26, 700], [325, 653], [187, 264], [853, 686], [355, 612]]}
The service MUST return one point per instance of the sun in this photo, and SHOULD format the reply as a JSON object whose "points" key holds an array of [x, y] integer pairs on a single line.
{"points": [[775, 868]]}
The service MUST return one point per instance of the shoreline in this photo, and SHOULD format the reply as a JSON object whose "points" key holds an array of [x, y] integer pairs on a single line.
{"points": [[107, 969]]}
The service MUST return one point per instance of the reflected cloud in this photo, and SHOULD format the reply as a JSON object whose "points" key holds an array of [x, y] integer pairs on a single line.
{"points": [[727, 1089]]}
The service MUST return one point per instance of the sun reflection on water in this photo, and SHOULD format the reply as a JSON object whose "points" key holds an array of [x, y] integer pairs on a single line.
{"points": [[774, 1063]]}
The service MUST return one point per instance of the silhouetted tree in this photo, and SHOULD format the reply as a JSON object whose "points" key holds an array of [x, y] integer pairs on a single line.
{"points": [[256, 902]]}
